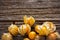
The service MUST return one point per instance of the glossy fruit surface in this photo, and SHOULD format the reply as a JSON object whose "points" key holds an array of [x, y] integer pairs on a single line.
{"points": [[32, 35], [37, 37], [52, 36]]}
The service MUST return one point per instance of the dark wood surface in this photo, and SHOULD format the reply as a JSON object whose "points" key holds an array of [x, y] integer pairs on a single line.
{"points": [[42, 10]]}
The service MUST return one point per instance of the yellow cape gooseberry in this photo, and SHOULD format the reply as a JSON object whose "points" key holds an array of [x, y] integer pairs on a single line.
{"points": [[44, 31], [37, 28], [26, 39], [6, 36], [23, 29], [37, 37], [28, 28], [13, 29], [50, 26], [52, 36], [29, 20], [32, 35]]}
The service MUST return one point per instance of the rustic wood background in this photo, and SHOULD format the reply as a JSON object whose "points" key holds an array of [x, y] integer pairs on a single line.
{"points": [[12, 11]]}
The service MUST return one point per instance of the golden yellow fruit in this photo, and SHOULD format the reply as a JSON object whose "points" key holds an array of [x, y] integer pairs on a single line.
{"points": [[29, 20], [6, 36], [28, 28], [23, 29], [44, 31], [50, 26], [47, 28], [37, 37], [37, 28], [26, 39], [52, 36], [13, 29], [32, 35]]}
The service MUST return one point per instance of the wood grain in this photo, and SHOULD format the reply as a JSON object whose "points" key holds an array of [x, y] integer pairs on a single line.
{"points": [[29, 4], [38, 14]]}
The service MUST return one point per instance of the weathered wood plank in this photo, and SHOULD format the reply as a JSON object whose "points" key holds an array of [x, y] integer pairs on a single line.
{"points": [[37, 17], [28, 0], [41, 14], [27, 4], [4, 27], [29, 11], [57, 23]]}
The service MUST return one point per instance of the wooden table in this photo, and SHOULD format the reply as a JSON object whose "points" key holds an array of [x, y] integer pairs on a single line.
{"points": [[12, 11]]}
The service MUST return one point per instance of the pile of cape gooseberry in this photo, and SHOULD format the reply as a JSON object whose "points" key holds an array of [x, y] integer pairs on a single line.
{"points": [[46, 29]]}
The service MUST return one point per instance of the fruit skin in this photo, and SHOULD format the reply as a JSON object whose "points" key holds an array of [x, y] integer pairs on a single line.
{"points": [[26, 39], [29, 20], [37, 37], [42, 30], [28, 29], [52, 36], [6, 36], [24, 29], [50, 26], [32, 35], [45, 29], [37, 28], [13, 29]]}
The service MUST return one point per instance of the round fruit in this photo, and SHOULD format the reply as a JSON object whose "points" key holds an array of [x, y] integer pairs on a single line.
{"points": [[29, 20], [6, 36], [50, 26], [37, 28], [23, 29], [13, 29], [37, 37], [26, 39], [52, 36], [42, 30], [47, 28], [32, 35]]}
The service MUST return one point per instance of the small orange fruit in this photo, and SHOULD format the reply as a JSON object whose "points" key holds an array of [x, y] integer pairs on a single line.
{"points": [[32, 35], [37, 37], [28, 28], [52, 36]]}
